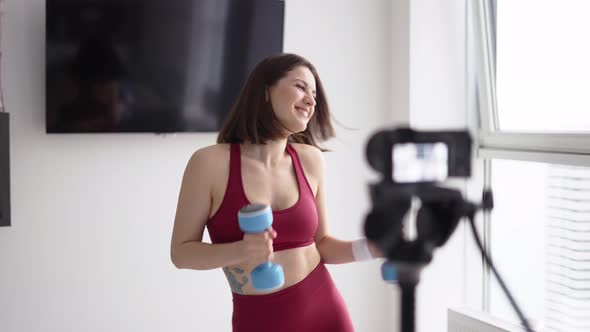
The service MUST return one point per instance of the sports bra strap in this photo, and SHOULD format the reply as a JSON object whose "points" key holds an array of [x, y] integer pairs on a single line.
{"points": [[235, 167], [301, 178]]}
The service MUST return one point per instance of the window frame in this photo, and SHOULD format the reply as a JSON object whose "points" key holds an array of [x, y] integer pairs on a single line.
{"points": [[565, 148], [552, 147]]}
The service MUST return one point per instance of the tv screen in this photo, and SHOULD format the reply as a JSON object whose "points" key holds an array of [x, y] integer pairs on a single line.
{"points": [[152, 65]]}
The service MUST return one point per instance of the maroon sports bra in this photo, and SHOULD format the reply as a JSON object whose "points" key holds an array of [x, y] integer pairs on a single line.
{"points": [[295, 226]]}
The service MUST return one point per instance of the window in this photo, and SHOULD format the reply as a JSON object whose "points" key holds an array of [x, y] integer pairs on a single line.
{"points": [[532, 74], [542, 67], [540, 242]]}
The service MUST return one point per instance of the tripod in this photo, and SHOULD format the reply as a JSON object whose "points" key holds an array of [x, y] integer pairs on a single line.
{"points": [[441, 210]]}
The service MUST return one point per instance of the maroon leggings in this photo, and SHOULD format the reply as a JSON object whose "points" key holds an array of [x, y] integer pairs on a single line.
{"points": [[313, 304]]}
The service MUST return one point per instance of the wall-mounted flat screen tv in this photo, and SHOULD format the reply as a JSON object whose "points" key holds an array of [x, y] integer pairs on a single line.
{"points": [[160, 66]]}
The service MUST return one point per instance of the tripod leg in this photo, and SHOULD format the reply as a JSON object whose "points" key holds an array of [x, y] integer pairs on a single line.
{"points": [[408, 306]]}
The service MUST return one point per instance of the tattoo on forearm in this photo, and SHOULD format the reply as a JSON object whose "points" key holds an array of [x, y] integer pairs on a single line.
{"points": [[233, 275]]}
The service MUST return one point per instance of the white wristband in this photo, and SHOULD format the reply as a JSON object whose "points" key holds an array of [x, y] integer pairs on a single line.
{"points": [[360, 250]]}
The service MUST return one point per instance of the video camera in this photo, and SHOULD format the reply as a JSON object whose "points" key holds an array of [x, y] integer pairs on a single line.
{"points": [[412, 164]]}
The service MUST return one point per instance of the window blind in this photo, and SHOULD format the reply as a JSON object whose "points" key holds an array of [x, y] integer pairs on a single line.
{"points": [[567, 307]]}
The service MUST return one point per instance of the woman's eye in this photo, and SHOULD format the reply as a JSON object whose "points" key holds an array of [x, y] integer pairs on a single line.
{"points": [[301, 87]]}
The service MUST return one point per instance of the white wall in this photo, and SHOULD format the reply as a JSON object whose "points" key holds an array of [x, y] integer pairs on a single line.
{"points": [[439, 99], [92, 214], [350, 43]]}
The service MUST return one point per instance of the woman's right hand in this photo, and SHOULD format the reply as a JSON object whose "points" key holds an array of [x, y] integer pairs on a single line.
{"points": [[257, 247]]}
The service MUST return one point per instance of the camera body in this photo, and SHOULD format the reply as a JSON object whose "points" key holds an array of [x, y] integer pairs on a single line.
{"points": [[411, 164], [404, 155]]}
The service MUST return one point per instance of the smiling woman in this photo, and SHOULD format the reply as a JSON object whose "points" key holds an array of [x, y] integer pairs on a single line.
{"points": [[293, 99], [277, 87], [268, 153]]}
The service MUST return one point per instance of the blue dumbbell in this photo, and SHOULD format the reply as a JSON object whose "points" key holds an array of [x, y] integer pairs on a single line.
{"points": [[389, 273], [257, 218]]}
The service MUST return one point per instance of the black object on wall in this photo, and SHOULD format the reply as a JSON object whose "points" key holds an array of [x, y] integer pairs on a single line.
{"points": [[148, 66], [4, 171]]}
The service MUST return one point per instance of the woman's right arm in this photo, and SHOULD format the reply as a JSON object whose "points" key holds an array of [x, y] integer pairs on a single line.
{"points": [[192, 212]]}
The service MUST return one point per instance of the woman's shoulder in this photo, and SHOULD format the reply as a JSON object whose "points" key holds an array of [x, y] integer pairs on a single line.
{"points": [[212, 151], [210, 157], [307, 150], [310, 156]]}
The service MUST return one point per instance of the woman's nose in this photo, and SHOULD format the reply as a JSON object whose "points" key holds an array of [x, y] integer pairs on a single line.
{"points": [[309, 100]]}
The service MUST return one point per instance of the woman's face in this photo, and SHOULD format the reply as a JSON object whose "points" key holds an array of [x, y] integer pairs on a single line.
{"points": [[293, 99]]}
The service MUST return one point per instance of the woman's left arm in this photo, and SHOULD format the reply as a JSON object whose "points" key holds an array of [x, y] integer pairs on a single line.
{"points": [[332, 250]]}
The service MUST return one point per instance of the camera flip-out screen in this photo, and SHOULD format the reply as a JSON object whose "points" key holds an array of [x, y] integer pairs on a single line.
{"points": [[419, 162]]}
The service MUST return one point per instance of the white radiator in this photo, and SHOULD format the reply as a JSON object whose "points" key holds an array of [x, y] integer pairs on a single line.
{"points": [[468, 320]]}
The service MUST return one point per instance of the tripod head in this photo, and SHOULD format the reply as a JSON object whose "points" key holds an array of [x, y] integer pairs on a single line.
{"points": [[411, 163], [440, 211]]}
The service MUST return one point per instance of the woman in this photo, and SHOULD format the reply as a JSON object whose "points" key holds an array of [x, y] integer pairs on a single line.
{"points": [[267, 153]]}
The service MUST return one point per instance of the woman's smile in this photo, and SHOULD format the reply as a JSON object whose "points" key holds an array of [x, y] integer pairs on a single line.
{"points": [[303, 110]]}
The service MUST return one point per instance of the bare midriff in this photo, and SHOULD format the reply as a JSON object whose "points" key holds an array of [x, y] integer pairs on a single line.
{"points": [[297, 264]]}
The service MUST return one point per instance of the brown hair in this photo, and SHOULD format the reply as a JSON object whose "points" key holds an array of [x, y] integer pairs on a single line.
{"points": [[251, 118]]}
